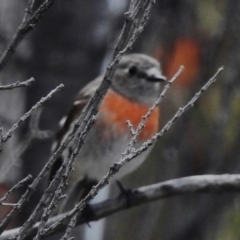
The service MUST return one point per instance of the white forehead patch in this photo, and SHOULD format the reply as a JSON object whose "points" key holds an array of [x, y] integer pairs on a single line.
{"points": [[155, 72]]}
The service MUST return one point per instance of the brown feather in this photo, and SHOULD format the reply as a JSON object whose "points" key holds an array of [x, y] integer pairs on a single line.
{"points": [[80, 102]]}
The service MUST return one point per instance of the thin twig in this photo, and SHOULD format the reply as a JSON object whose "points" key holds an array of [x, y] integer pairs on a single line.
{"points": [[27, 114], [49, 192], [83, 123], [130, 126], [28, 23], [58, 194], [48, 210], [28, 10], [33, 133], [141, 125], [70, 226], [43, 172], [18, 185], [9, 205], [17, 84], [31, 188], [116, 166], [180, 111], [92, 108]]}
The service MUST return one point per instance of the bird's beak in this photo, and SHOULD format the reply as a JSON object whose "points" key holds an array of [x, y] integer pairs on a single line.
{"points": [[154, 75], [159, 78]]}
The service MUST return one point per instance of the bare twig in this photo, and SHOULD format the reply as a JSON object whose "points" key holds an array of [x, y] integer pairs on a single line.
{"points": [[17, 84], [181, 110], [13, 212], [32, 187], [135, 19], [49, 193], [27, 114], [58, 194], [130, 126], [127, 38], [9, 204], [18, 185], [48, 210], [28, 23], [70, 226], [28, 10], [33, 133], [46, 168], [83, 123], [207, 184], [125, 42], [141, 125], [116, 166], [73, 152]]}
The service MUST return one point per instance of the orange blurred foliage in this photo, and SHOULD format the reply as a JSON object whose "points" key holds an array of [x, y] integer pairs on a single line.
{"points": [[186, 52]]}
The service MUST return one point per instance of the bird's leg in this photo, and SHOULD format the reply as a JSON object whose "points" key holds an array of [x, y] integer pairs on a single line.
{"points": [[83, 187], [126, 193]]}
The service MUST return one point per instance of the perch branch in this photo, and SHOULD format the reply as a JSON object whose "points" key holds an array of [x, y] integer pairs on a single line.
{"points": [[207, 184]]}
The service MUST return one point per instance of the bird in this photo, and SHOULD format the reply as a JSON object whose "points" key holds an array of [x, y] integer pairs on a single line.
{"points": [[135, 87]]}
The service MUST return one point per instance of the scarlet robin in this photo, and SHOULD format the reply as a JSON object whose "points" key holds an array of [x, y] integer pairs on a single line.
{"points": [[135, 87]]}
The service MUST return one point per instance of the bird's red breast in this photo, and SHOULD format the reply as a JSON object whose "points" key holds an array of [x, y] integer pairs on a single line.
{"points": [[119, 109]]}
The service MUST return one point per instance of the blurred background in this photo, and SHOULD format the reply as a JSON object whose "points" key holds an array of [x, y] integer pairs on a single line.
{"points": [[73, 43]]}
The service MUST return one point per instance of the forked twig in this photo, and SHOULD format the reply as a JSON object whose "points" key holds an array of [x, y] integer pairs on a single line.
{"points": [[31, 188], [17, 84], [141, 125], [84, 122], [28, 23], [27, 114], [116, 166], [18, 185]]}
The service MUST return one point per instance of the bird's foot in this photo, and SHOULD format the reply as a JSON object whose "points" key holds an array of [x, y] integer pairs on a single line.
{"points": [[86, 214], [126, 193]]}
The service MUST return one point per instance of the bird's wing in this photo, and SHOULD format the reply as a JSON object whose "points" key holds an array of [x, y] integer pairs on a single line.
{"points": [[66, 123]]}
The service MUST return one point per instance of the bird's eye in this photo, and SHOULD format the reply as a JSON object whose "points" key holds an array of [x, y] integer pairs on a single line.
{"points": [[132, 70]]}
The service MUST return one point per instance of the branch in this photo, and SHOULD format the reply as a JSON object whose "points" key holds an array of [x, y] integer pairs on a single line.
{"points": [[85, 121], [57, 195], [28, 10], [179, 113], [48, 210], [17, 84], [117, 166], [28, 23], [33, 133], [141, 125], [18, 185], [32, 187], [27, 114], [207, 184]]}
